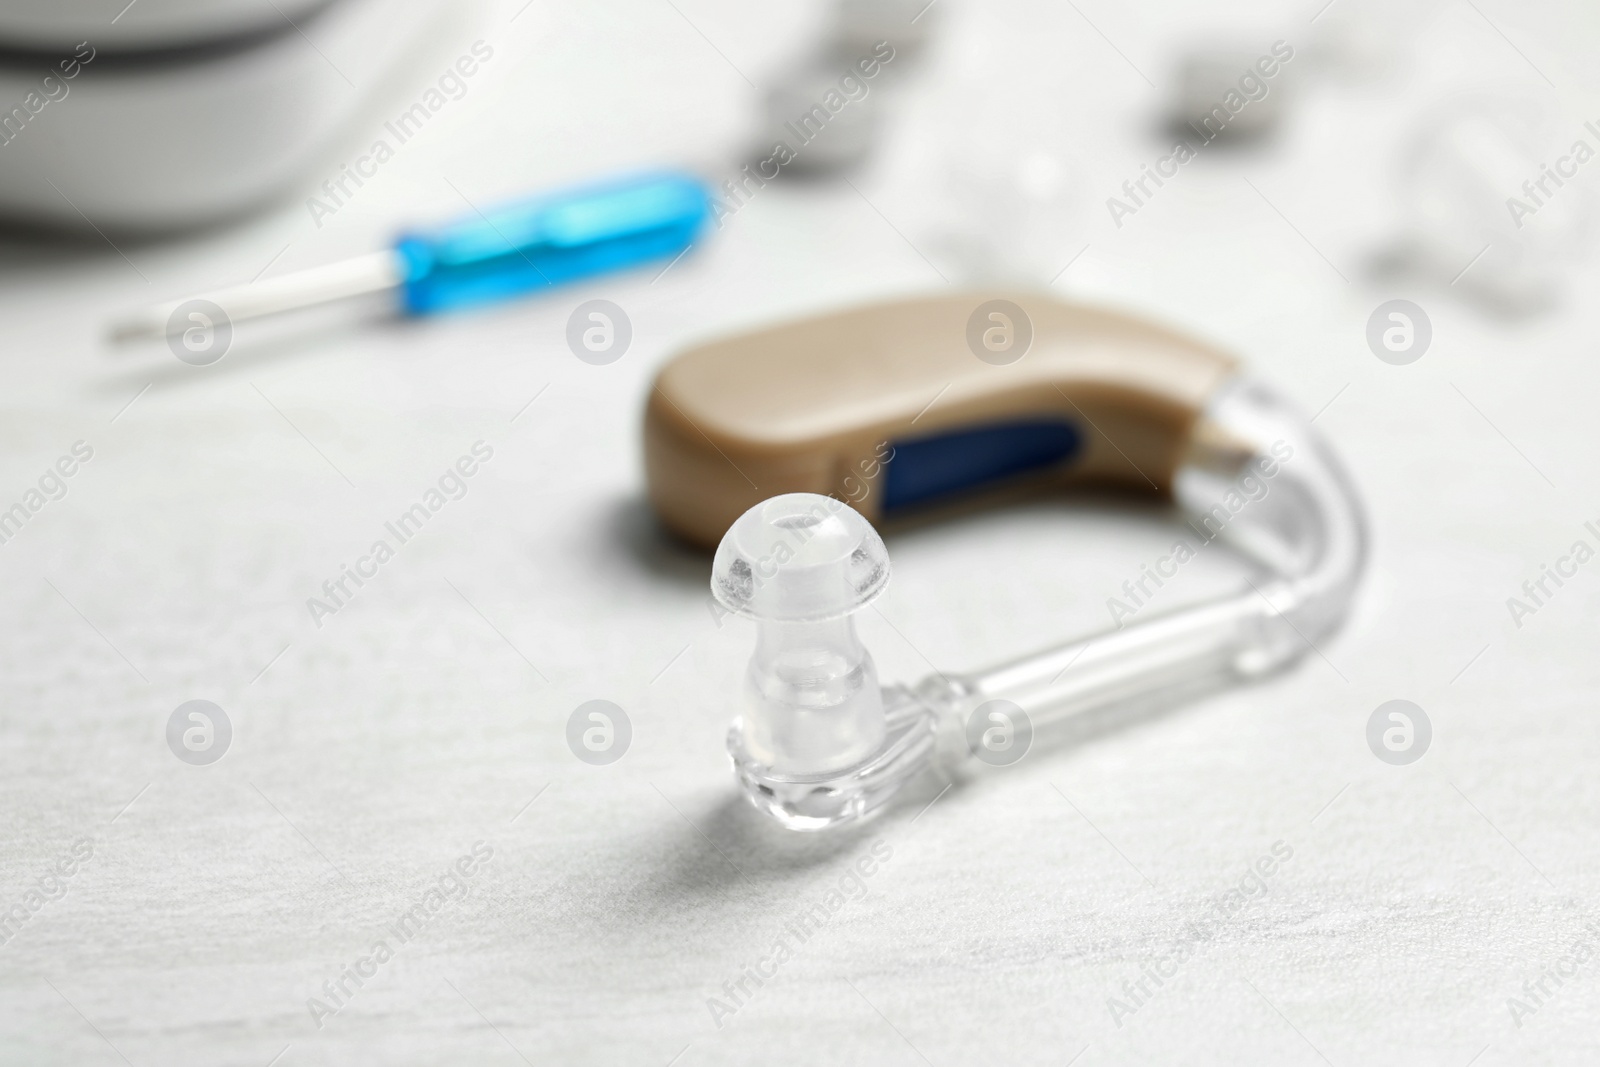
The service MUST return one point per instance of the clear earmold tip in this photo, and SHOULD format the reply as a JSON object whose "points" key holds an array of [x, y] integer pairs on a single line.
{"points": [[799, 557]]}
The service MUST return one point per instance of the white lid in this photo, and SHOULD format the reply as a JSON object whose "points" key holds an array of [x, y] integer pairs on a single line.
{"points": [[116, 25]]}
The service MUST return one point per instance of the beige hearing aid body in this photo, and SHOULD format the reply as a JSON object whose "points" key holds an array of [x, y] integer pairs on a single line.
{"points": [[814, 406]]}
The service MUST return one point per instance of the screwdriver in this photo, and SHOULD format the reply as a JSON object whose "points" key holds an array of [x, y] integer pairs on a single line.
{"points": [[518, 248]]}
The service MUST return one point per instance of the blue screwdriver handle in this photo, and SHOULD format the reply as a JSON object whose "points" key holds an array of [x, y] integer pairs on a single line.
{"points": [[552, 239]]}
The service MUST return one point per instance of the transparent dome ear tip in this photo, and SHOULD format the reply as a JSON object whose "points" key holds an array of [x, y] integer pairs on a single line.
{"points": [[799, 557]]}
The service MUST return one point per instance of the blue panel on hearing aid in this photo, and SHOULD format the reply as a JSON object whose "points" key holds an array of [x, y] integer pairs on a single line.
{"points": [[925, 469]]}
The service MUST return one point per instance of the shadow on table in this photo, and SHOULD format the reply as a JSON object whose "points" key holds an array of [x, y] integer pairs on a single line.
{"points": [[634, 535]]}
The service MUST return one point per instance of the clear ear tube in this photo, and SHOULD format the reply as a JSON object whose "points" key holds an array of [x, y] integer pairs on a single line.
{"points": [[817, 744]]}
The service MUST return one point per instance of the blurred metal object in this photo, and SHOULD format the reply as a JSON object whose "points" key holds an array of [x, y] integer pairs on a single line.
{"points": [[1228, 94], [826, 112], [908, 25], [828, 109]]}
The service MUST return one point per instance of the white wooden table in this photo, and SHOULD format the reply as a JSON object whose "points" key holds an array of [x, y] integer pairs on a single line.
{"points": [[231, 913]]}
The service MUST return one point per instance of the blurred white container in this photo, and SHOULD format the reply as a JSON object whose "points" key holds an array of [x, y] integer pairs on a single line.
{"points": [[183, 112], [1474, 219]]}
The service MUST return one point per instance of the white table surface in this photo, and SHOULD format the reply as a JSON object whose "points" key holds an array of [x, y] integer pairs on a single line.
{"points": [[373, 751]]}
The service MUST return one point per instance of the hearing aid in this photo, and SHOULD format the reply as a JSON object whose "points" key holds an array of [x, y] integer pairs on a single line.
{"points": [[787, 448]]}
